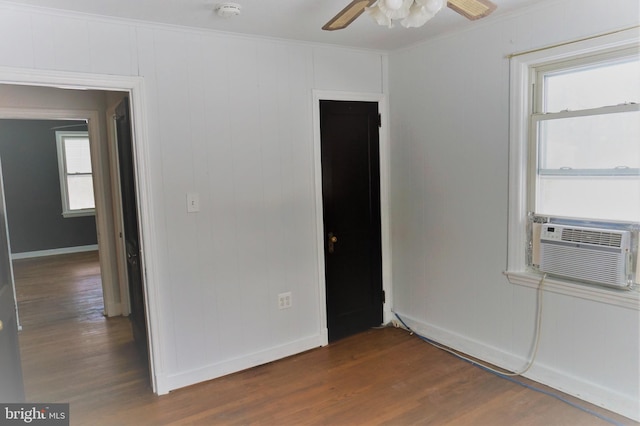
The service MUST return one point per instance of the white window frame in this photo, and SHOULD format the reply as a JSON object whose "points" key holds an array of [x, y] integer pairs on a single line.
{"points": [[521, 183], [62, 169]]}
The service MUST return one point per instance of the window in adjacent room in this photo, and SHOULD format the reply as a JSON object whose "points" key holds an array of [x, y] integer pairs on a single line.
{"points": [[76, 179]]}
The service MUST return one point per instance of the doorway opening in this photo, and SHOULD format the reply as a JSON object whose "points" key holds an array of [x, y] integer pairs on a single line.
{"points": [[90, 265], [48, 187]]}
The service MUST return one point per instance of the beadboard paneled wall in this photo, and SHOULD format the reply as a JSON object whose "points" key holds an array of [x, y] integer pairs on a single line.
{"points": [[449, 206], [229, 118]]}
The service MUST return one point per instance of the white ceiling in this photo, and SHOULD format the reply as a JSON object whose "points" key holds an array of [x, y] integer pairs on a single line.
{"points": [[288, 19]]}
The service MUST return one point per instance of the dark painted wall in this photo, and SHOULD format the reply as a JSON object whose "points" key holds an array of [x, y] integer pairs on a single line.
{"points": [[32, 188]]}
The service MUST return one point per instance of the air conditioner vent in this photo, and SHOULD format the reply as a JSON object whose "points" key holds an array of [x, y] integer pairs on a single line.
{"points": [[588, 236], [598, 256]]}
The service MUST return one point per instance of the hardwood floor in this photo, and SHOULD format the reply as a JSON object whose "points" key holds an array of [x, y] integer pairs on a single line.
{"points": [[71, 353]]}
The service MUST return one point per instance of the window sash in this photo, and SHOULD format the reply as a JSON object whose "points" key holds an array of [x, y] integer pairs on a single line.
{"points": [[81, 192], [613, 109], [534, 167], [72, 204], [606, 56], [76, 150], [615, 172]]}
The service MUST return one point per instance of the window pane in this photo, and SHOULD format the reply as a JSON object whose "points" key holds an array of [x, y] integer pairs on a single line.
{"points": [[606, 141], [80, 190], [607, 198], [593, 87], [76, 151], [587, 144]]}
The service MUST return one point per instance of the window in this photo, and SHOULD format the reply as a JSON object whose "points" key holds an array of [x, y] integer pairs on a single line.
{"points": [[586, 135], [76, 180], [574, 146]]}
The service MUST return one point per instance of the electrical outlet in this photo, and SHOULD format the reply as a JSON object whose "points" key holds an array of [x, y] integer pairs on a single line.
{"points": [[285, 300]]}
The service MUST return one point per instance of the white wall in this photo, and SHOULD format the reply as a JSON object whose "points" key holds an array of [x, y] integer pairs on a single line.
{"points": [[229, 118], [449, 187]]}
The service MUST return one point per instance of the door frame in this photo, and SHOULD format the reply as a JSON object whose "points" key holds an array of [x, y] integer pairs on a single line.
{"points": [[385, 220], [111, 305], [134, 86], [116, 199]]}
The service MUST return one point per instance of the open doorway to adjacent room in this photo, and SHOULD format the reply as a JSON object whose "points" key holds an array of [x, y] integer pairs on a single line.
{"points": [[68, 260]]}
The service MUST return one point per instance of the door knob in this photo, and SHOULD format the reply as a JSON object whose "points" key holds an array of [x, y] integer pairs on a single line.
{"points": [[1, 325], [332, 239], [133, 258]]}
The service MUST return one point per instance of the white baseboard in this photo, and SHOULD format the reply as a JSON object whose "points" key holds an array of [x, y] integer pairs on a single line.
{"points": [[53, 252], [324, 336], [622, 404], [114, 311], [169, 382]]}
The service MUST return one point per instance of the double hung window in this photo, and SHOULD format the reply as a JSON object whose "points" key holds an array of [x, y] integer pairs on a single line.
{"points": [[586, 138], [574, 147], [76, 179]]}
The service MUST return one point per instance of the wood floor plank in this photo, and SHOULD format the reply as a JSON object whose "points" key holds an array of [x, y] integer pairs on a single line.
{"points": [[72, 353]]}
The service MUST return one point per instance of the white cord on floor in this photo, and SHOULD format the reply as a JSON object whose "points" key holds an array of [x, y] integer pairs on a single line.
{"points": [[534, 352]]}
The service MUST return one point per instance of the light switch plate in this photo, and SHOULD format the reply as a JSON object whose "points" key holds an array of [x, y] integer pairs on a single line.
{"points": [[193, 202]]}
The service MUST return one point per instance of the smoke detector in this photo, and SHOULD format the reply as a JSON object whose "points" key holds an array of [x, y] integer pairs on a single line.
{"points": [[227, 10]]}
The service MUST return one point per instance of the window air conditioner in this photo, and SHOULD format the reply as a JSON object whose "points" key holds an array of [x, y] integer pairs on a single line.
{"points": [[597, 256]]}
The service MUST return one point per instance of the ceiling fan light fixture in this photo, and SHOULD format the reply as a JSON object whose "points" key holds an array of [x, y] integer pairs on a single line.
{"points": [[379, 16], [393, 4], [432, 6], [418, 16], [412, 13], [395, 9]]}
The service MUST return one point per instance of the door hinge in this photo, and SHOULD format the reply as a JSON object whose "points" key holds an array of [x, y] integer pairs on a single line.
{"points": [[384, 297], [379, 120]]}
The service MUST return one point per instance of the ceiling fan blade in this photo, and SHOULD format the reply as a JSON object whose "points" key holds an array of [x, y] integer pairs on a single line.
{"points": [[472, 9], [347, 15]]}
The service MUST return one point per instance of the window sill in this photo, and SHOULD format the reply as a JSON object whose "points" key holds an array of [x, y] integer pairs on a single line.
{"points": [[629, 299], [79, 213]]}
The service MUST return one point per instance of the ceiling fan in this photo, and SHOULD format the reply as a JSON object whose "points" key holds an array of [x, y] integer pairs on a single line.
{"points": [[413, 13]]}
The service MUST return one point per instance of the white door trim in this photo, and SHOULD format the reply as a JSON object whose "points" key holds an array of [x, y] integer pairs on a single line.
{"points": [[135, 87], [116, 199], [385, 220]]}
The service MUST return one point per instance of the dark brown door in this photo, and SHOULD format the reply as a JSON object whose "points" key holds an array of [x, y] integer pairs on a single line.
{"points": [[130, 222], [351, 203], [11, 385]]}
